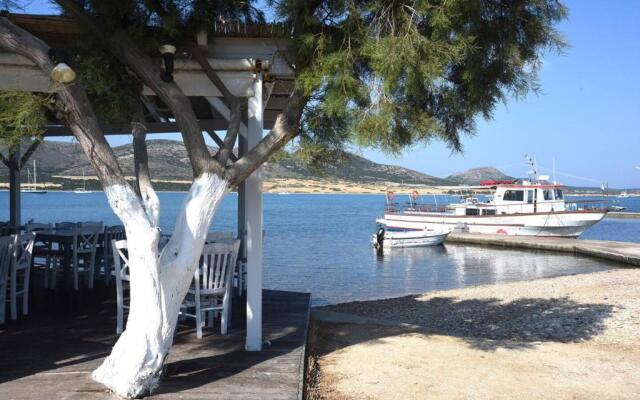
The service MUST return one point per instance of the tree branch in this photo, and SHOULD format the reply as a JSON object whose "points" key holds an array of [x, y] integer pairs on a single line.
{"points": [[76, 108], [220, 144], [226, 151], [144, 186], [27, 154], [284, 129], [149, 73]]}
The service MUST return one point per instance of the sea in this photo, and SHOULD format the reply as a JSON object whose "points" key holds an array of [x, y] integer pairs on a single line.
{"points": [[320, 243]]}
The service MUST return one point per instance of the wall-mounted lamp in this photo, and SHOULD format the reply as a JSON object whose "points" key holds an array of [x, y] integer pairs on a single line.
{"points": [[168, 51], [61, 72]]}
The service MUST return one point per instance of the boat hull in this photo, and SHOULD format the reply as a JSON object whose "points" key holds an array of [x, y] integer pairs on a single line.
{"points": [[412, 238], [558, 224]]}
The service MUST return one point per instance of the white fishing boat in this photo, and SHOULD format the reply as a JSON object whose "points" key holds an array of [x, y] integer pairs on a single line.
{"points": [[623, 195], [408, 238], [528, 207]]}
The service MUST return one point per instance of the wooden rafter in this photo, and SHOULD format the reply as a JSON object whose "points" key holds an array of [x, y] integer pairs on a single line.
{"points": [[27, 154], [148, 104], [5, 160]]}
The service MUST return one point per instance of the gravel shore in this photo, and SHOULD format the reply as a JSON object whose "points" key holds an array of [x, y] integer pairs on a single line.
{"points": [[565, 337]]}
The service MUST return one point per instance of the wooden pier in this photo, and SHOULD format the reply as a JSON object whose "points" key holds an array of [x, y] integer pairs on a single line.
{"points": [[627, 253], [51, 355]]}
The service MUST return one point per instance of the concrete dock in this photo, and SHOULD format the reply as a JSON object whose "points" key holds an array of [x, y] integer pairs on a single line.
{"points": [[623, 214], [627, 253]]}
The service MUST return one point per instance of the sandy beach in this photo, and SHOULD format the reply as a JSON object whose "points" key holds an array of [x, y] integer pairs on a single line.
{"points": [[571, 337]]}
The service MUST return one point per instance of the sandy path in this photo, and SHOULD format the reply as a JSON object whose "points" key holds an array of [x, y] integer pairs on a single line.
{"points": [[573, 337]]}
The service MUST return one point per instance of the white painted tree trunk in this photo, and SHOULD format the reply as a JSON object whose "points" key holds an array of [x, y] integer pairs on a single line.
{"points": [[158, 283]]}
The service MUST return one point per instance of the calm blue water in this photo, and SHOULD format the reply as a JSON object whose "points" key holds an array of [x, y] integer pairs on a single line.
{"points": [[320, 244]]}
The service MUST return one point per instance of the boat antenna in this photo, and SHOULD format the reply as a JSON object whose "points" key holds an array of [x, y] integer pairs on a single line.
{"points": [[533, 171], [554, 171]]}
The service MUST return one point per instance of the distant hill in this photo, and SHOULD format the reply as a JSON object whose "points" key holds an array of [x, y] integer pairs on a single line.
{"points": [[168, 160], [351, 168], [473, 176]]}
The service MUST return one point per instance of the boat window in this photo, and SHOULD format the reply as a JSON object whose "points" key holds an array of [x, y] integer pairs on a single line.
{"points": [[513, 195], [489, 212], [547, 194], [558, 194], [530, 196], [472, 211]]}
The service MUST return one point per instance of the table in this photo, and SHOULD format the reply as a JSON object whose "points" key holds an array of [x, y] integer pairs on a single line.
{"points": [[64, 241]]}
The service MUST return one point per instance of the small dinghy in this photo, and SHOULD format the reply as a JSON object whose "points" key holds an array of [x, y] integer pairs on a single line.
{"points": [[409, 238]]}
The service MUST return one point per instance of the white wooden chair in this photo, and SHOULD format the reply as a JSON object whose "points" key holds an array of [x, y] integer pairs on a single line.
{"points": [[85, 239], [116, 233], [37, 227], [20, 272], [41, 250], [213, 237], [121, 269], [6, 252], [7, 229], [240, 272], [212, 287]]}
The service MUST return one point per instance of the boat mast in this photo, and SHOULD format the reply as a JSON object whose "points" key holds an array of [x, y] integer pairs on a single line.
{"points": [[35, 179]]}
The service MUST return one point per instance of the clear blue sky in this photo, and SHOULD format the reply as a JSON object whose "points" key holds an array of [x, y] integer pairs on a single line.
{"points": [[586, 116]]}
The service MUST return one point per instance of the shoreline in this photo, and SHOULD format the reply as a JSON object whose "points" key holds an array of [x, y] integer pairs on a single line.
{"points": [[382, 192], [302, 186], [560, 337]]}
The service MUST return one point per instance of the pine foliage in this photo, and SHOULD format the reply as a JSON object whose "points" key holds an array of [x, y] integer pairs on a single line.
{"points": [[22, 115], [385, 74]]}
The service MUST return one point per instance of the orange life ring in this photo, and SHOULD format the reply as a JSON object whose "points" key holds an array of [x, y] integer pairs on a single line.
{"points": [[415, 194], [390, 195]]}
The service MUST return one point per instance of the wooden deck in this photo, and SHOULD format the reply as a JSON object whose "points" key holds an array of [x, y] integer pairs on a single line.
{"points": [[51, 355], [626, 253]]}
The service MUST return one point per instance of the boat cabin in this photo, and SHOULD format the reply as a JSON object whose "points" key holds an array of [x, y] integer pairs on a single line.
{"points": [[524, 197]]}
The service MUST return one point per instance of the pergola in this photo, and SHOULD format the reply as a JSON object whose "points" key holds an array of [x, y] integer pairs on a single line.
{"points": [[248, 59]]}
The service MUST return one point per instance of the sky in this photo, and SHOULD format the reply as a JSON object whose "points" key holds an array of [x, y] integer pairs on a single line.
{"points": [[586, 117]]}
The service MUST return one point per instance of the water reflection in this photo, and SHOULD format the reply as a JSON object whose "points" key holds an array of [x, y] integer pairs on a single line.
{"points": [[416, 270]]}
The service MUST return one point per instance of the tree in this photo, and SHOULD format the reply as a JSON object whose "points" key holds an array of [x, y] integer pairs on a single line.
{"points": [[383, 74]]}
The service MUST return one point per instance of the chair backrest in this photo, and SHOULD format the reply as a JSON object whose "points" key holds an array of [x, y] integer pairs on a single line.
{"points": [[115, 232], [23, 250], [86, 237], [6, 230], [6, 252], [92, 224], [120, 259], [65, 226], [213, 237], [219, 261], [37, 227]]}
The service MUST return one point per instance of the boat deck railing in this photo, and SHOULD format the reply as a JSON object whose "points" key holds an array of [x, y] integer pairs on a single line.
{"points": [[570, 205]]}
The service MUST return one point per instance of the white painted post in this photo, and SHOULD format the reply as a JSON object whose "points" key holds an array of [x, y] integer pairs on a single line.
{"points": [[253, 215], [14, 188]]}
